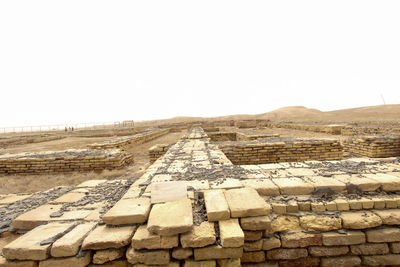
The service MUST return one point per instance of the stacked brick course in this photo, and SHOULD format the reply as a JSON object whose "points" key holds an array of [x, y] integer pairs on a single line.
{"points": [[374, 146], [330, 129], [369, 130], [128, 140], [28, 139], [157, 151], [193, 207], [81, 160], [281, 150]]}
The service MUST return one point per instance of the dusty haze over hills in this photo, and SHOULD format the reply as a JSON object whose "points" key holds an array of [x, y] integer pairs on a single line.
{"points": [[301, 113]]}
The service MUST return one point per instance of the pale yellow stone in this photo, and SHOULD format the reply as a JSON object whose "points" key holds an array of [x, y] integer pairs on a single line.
{"points": [[320, 222], [271, 243], [171, 218], [107, 255], [360, 220], [128, 211], [67, 262], [255, 223], [200, 236], [104, 237], [293, 186], [264, 187], [216, 205], [285, 224], [231, 233], [143, 239], [239, 199], [182, 253], [69, 244], [35, 217], [217, 252], [27, 247], [149, 257]]}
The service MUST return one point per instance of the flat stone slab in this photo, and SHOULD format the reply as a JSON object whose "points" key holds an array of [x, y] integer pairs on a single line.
{"points": [[216, 205], [239, 199], [168, 191], [293, 186], [217, 252], [171, 218], [68, 262], [35, 217], [12, 198], [69, 244], [321, 182], [128, 211], [388, 182], [69, 197], [264, 187], [200, 236], [28, 246], [104, 237]]}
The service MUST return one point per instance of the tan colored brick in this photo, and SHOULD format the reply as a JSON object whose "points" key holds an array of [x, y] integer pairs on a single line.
{"points": [[238, 200], [217, 252], [255, 223], [347, 261], [104, 237], [328, 251], [370, 249], [300, 239], [255, 256], [252, 235], [216, 205], [143, 239], [67, 262], [360, 220], [285, 224], [128, 211], [286, 253], [389, 234], [231, 233], [253, 246], [149, 257], [107, 255], [320, 222], [381, 260], [182, 253], [271, 243], [389, 217], [200, 236], [337, 239]]}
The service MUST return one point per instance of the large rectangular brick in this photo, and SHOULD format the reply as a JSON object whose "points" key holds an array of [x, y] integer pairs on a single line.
{"points": [[35, 217], [328, 251], [338, 239], [255, 223], [389, 234], [230, 233], [286, 253], [293, 186], [149, 257], [171, 218], [347, 261], [217, 252], [143, 239], [104, 237], [382, 260], [370, 249], [69, 244], [68, 261], [200, 236], [300, 239], [128, 211], [216, 205], [271, 243], [239, 199], [28, 246], [254, 256], [360, 220], [5, 263]]}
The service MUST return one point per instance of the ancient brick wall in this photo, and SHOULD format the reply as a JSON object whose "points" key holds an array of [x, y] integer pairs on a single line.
{"points": [[128, 140], [368, 130], [269, 152], [28, 139], [373, 146], [330, 129], [157, 151], [83, 160]]}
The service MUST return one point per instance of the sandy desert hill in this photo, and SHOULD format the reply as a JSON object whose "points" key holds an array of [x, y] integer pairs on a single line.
{"points": [[388, 113]]}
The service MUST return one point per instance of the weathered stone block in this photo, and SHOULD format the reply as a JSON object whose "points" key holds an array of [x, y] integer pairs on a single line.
{"points": [[149, 257], [253, 246], [341, 261], [231, 234], [107, 255], [285, 224], [271, 243], [128, 211], [238, 200], [104, 237], [162, 223], [389, 234], [286, 253], [255, 256], [382, 260], [300, 239], [255, 223], [338, 239], [216, 205], [328, 251], [320, 222], [217, 252], [200, 236], [182, 253], [143, 239], [360, 220], [370, 249]]}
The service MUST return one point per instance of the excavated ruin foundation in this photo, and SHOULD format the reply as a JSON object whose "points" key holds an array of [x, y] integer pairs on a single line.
{"points": [[194, 207]]}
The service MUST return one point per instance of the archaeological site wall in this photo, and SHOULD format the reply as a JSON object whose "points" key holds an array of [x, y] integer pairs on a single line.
{"points": [[81, 160], [374, 146], [272, 150], [28, 139], [157, 151], [369, 130], [329, 129], [193, 207], [139, 138]]}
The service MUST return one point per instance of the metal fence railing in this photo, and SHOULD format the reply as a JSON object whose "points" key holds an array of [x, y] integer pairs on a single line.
{"points": [[67, 126]]}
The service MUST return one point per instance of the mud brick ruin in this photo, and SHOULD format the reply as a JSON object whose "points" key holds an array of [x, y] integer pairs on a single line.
{"points": [[63, 161], [374, 146], [195, 207], [157, 151]]}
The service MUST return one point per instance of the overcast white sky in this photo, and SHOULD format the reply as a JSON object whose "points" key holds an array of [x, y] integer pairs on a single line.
{"points": [[98, 61]]}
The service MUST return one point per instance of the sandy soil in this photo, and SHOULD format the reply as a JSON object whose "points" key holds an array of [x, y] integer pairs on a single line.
{"points": [[35, 183]]}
